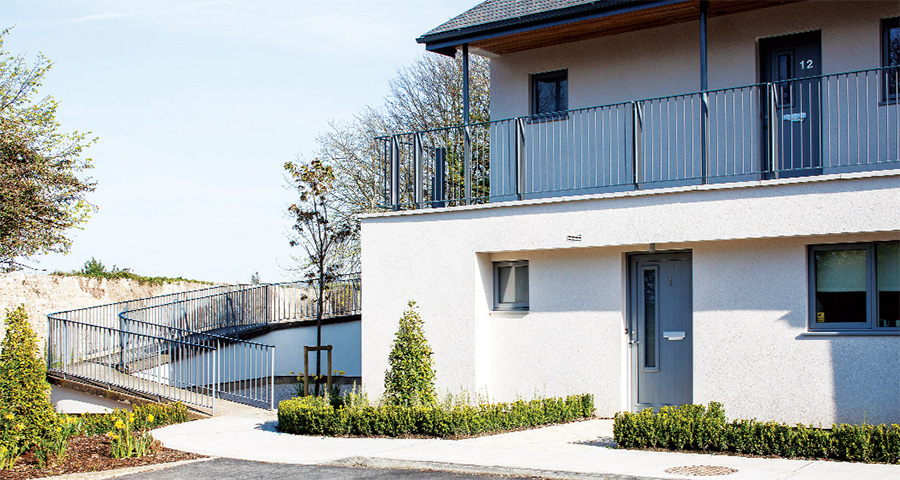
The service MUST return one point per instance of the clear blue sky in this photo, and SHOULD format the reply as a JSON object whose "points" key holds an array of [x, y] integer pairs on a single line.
{"points": [[198, 104]]}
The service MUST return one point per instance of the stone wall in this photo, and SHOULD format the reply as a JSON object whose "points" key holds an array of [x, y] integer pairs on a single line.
{"points": [[44, 294]]}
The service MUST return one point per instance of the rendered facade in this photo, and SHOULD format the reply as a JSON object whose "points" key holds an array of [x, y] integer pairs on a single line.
{"points": [[675, 202]]}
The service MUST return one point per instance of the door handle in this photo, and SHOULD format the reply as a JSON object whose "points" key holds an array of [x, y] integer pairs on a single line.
{"points": [[674, 335]]}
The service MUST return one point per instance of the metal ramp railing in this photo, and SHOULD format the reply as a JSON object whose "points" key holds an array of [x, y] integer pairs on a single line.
{"points": [[186, 347]]}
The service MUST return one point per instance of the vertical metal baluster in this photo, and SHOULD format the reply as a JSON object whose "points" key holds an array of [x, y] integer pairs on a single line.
{"points": [[800, 86], [858, 152], [733, 121], [887, 119], [681, 167], [272, 378], [877, 119], [828, 119]]}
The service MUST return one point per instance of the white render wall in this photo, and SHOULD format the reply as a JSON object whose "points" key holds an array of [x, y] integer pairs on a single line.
{"points": [[750, 291], [750, 352], [665, 61]]}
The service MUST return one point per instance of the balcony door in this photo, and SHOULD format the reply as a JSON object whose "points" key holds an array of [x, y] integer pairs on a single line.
{"points": [[791, 66]]}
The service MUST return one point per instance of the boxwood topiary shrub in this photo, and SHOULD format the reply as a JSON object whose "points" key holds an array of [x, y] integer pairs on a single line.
{"points": [[27, 418], [316, 416], [410, 380], [698, 427]]}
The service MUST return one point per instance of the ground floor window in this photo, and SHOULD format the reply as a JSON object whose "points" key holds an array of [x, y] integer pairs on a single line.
{"points": [[855, 287], [511, 285]]}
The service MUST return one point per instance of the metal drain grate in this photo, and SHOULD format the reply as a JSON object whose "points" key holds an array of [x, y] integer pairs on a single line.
{"points": [[700, 470]]}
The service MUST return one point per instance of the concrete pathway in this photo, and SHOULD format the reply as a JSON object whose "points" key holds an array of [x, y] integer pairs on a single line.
{"points": [[67, 400], [576, 450]]}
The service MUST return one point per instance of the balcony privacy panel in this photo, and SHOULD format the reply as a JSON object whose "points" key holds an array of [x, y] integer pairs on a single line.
{"points": [[736, 145], [669, 139], [578, 151], [503, 159], [858, 126]]}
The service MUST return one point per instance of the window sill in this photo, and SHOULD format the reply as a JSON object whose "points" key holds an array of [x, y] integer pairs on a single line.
{"points": [[853, 333], [509, 313], [547, 117]]}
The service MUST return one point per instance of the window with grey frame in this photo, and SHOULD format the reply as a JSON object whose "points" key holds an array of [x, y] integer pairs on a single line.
{"points": [[550, 94], [890, 57], [511, 285], [855, 287]]}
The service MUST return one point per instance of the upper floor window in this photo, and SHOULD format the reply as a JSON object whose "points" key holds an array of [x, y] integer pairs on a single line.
{"points": [[549, 92], [890, 56], [511, 285], [855, 287]]}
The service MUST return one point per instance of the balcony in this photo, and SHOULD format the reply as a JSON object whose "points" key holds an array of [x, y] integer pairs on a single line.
{"points": [[811, 126]]}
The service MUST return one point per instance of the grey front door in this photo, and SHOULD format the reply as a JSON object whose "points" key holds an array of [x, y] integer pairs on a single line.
{"points": [[791, 66], [661, 340]]}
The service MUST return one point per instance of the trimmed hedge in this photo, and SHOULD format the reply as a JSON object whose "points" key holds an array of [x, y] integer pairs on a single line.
{"points": [[315, 416], [697, 427]]}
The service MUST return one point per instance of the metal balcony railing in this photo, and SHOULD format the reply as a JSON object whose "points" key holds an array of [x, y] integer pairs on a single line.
{"points": [[809, 126], [186, 346]]}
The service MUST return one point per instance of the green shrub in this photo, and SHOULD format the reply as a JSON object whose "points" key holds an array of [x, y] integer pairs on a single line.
{"points": [[27, 418], [316, 416], [695, 427], [94, 268], [410, 380]]}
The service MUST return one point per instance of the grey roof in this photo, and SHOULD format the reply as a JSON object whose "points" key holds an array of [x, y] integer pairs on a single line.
{"points": [[491, 11]]}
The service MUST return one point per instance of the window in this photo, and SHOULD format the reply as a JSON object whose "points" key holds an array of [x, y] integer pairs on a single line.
{"points": [[890, 56], [855, 287], [549, 92], [511, 285]]}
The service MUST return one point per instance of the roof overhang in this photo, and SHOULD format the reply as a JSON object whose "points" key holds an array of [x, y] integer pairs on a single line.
{"points": [[581, 22]]}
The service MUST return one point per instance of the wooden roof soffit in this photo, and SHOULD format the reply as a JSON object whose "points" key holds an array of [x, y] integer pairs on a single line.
{"points": [[639, 19]]}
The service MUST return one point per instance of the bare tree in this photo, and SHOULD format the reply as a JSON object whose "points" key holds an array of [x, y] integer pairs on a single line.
{"points": [[423, 96], [319, 231]]}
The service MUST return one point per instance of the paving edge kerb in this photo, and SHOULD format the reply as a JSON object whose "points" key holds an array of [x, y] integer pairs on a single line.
{"points": [[118, 472], [378, 462]]}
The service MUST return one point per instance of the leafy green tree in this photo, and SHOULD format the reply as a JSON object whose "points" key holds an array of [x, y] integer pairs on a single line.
{"points": [[25, 407], [319, 232], [95, 268], [410, 380], [41, 193]]}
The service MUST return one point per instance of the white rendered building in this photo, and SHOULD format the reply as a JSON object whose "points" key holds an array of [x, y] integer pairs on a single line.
{"points": [[674, 202]]}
